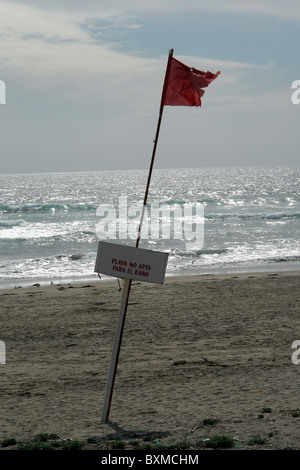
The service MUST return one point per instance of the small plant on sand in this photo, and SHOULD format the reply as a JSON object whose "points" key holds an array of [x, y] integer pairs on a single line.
{"points": [[35, 446], [71, 445], [177, 446], [266, 410], [91, 440], [209, 421], [133, 443], [45, 437], [115, 445], [8, 442], [219, 442], [43, 442], [256, 441]]}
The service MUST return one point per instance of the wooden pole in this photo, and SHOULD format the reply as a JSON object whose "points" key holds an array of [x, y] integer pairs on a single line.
{"points": [[116, 351], [127, 283]]}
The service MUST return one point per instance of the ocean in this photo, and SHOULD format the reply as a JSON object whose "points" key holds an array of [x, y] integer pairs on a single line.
{"points": [[50, 224]]}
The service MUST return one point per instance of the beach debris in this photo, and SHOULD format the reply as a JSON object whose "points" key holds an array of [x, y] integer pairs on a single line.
{"points": [[195, 428], [209, 421], [212, 363], [204, 361], [24, 393], [295, 413], [179, 363]]}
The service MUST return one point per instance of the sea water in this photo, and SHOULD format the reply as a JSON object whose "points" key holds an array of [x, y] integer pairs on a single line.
{"points": [[49, 223]]}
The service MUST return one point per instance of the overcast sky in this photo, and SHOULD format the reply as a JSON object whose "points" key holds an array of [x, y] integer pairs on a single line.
{"points": [[84, 81]]}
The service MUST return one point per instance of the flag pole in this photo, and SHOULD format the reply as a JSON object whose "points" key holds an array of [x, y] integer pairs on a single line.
{"points": [[155, 142], [128, 282]]}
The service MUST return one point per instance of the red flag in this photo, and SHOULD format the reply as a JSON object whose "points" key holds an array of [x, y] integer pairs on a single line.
{"points": [[183, 84]]}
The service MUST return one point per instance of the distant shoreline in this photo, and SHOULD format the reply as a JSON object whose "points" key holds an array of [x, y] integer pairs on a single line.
{"points": [[14, 284], [187, 275]]}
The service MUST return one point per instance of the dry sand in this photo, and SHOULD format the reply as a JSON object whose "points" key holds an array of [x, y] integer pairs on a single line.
{"points": [[194, 348]]}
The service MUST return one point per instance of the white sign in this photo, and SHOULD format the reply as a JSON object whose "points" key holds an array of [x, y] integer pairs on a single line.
{"points": [[132, 263]]}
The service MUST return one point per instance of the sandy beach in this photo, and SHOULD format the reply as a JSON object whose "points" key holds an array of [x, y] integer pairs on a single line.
{"points": [[195, 348]]}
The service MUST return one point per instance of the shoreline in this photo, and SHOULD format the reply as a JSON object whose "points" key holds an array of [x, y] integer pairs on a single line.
{"points": [[11, 284]]}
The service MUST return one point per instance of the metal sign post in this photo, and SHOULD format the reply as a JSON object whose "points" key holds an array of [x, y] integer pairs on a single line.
{"points": [[128, 263], [115, 352]]}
